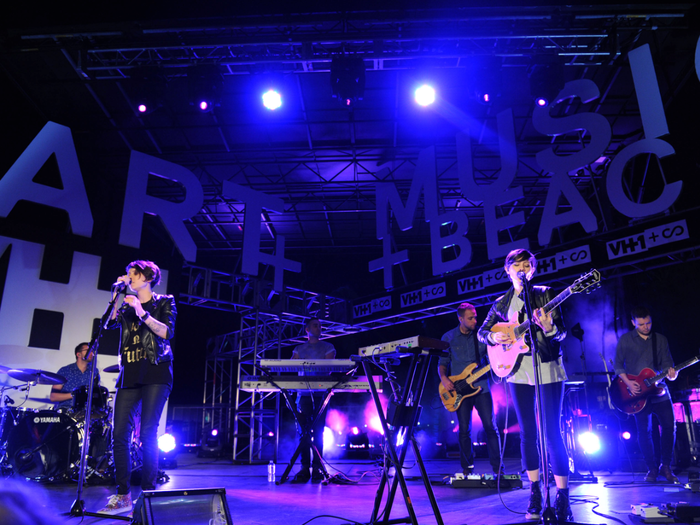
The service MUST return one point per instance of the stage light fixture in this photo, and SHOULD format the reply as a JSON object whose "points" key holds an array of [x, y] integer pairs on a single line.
{"points": [[206, 85], [166, 443], [626, 436], [272, 100], [589, 442], [546, 80], [147, 89], [347, 80], [425, 95], [486, 79]]}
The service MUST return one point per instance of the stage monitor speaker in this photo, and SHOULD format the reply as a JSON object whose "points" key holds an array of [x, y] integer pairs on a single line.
{"points": [[184, 507]]}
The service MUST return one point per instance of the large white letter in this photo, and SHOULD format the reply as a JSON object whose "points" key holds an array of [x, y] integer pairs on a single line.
{"points": [[254, 202], [560, 185], [172, 214], [17, 183], [596, 125], [457, 238]]}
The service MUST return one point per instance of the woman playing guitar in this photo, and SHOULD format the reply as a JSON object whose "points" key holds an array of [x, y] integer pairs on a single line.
{"points": [[507, 311]]}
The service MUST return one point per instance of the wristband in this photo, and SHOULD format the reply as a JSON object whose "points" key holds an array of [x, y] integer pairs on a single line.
{"points": [[144, 317]]}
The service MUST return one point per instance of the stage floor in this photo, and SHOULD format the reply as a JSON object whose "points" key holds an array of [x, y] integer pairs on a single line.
{"points": [[254, 501]]}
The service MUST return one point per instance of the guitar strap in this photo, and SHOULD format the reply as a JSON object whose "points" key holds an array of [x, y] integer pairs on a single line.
{"points": [[653, 351]]}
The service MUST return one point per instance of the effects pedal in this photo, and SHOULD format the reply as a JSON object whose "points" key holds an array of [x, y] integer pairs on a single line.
{"points": [[485, 481]]}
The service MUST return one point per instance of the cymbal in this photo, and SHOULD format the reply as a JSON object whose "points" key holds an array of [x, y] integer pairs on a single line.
{"points": [[41, 377], [4, 368], [112, 369]]}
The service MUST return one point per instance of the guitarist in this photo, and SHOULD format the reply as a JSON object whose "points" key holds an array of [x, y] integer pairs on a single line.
{"points": [[637, 350], [466, 349], [549, 332]]}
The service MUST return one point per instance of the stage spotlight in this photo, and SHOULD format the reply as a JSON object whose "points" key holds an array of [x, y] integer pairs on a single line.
{"points": [[425, 95], [626, 436], [147, 89], [357, 445], [166, 443], [167, 447], [206, 84], [215, 432], [546, 80], [347, 80], [589, 442], [212, 445], [272, 100]]}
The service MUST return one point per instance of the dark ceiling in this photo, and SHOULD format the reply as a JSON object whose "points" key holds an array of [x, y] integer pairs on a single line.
{"points": [[322, 159]]}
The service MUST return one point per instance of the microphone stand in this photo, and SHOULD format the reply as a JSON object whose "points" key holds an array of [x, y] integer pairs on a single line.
{"points": [[78, 507], [549, 516]]}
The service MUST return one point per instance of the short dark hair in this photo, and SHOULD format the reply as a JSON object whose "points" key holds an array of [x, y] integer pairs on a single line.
{"points": [[464, 307], [78, 348], [520, 254], [148, 269], [309, 320], [640, 312]]}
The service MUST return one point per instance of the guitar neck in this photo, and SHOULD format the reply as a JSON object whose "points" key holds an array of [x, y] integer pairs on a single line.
{"points": [[480, 373], [684, 364], [551, 305]]}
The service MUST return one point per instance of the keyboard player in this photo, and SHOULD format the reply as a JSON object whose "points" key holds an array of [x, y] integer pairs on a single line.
{"points": [[308, 402]]}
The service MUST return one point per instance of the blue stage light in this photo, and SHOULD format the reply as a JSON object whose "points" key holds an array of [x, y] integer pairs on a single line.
{"points": [[166, 443], [541, 101], [272, 99], [590, 442], [425, 95]]}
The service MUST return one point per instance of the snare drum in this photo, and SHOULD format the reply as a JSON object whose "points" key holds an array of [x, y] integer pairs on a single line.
{"points": [[99, 402], [43, 445]]}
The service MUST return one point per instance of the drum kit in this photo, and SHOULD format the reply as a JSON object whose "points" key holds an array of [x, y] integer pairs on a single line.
{"points": [[45, 445]]}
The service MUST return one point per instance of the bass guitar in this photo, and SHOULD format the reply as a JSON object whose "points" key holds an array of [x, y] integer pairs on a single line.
{"points": [[629, 403], [503, 358], [464, 387]]}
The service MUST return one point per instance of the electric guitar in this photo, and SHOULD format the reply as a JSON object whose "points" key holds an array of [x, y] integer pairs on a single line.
{"points": [[464, 387], [503, 358], [626, 402]]}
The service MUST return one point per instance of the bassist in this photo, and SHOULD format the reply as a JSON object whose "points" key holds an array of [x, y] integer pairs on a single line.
{"points": [[636, 350], [465, 349]]}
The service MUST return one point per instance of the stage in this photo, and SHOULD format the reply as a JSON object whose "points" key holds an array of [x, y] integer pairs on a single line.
{"points": [[252, 500]]}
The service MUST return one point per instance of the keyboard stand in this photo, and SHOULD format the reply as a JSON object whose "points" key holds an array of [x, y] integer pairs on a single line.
{"points": [[305, 431], [406, 414]]}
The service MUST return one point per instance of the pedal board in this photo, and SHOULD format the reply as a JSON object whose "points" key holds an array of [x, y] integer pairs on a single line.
{"points": [[486, 481]]}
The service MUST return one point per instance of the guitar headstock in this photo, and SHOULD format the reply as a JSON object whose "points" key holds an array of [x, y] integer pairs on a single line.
{"points": [[587, 282]]}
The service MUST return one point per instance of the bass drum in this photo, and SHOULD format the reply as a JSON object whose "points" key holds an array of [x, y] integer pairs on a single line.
{"points": [[44, 445], [10, 418]]}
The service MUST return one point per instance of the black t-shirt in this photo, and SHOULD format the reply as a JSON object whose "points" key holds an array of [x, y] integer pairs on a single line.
{"points": [[137, 370]]}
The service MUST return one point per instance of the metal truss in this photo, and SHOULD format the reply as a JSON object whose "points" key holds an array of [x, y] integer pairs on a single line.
{"points": [[306, 43]]}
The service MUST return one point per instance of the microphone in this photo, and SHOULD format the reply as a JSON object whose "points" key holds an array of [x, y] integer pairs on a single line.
{"points": [[9, 400], [119, 285], [522, 276]]}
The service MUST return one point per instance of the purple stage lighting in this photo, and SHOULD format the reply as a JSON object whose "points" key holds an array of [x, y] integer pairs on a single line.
{"points": [[215, 432], [204, 105], [142, 108], [590, 442], [541, 101], [272, 99], [166, 443], [626, 435], [425, 95]]}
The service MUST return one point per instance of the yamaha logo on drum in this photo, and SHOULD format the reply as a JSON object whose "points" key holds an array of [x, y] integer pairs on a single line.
{"points": [[47, 420]]}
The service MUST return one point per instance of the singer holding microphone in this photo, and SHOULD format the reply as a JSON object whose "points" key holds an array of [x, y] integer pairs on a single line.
{"points": [[147, 324], [520, 266]]}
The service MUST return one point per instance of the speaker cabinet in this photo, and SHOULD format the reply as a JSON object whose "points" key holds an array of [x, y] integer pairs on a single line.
{"points": [[184, 507]]}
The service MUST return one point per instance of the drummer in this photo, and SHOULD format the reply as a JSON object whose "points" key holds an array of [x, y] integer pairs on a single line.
{"points": [[77, 374]]}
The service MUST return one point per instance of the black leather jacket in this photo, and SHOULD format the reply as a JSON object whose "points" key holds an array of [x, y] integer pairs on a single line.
{"points": [[157, 348], [549, 347]]}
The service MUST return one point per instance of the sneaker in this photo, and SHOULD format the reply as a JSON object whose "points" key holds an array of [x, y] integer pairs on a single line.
{"points": [[562, 506], [117, 504], [317, 476], [651, 475], [667, 473], [302, 476], [534, 506]]}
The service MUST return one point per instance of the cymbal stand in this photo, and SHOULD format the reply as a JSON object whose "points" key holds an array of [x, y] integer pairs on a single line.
{"points": [[78, 507]]}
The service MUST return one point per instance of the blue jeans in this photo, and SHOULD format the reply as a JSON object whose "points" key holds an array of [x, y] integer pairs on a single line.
{"points": [[152, 399], [552, 396], [483, 402]]}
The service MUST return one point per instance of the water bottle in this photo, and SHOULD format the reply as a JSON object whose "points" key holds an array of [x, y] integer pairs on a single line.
{"points": [[271, 472]]}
